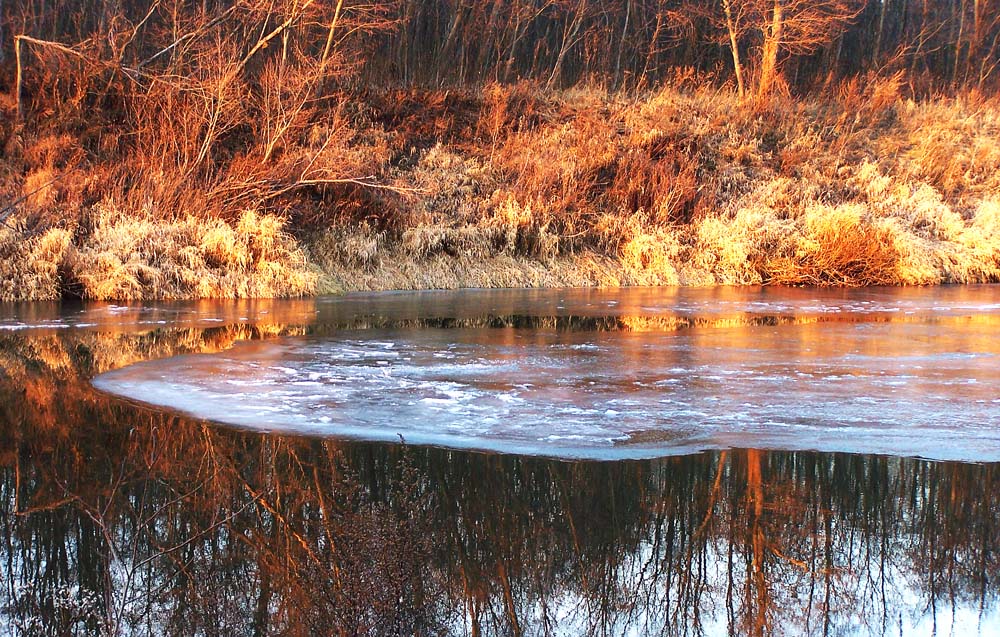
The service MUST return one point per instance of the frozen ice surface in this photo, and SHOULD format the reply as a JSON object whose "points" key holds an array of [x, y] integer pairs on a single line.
{"points": [[892, 373]]}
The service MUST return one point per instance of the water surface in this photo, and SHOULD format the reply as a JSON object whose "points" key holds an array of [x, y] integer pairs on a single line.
{"points": [[121, 518], [617, 374]]}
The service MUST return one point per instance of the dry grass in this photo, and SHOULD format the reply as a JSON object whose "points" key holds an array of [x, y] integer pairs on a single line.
{"points": [[130, 257], [30, 266], [519, 186], [689, 187], [951, 145], [837, 246]]}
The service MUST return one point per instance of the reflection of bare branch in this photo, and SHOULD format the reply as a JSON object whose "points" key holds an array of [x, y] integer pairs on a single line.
{"points": [[48, 506], [794, 562], [201, 534], [259, 498], [713, 494]]}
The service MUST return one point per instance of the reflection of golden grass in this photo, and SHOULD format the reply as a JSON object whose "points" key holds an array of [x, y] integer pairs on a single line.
{"points": [[47, 365], [973, 324], [107, 351], [88, 353], [654, 323], [675, 323]]}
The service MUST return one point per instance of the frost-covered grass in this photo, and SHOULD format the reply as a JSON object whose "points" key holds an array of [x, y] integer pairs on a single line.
{"points": [[130, 257], [518, 186], [691, 187]]}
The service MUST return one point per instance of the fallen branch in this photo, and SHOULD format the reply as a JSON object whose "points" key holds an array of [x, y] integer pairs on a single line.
{"points": [[9, 209], [365, 182], [18, 39]]}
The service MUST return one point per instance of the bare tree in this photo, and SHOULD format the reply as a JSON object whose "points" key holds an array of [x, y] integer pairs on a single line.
{"points": [[798, 27], [734, 18]]}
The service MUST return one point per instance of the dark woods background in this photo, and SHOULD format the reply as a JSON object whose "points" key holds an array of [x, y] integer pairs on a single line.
{"points": [[938, 44]]}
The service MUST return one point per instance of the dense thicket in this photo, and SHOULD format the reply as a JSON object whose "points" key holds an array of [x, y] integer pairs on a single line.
{"points": [[937, 43]]}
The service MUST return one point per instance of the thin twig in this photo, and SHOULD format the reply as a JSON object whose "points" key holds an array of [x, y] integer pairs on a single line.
{"points": [[18, 39], [10, 208], [187, 36]]}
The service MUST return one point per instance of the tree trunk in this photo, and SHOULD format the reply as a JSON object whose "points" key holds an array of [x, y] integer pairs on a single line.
{"points": [[19, 79], [958, 39], [621, 45], [652, 49], [976, 41], [922, 37], [568, 41], [990, 61], [446, 47], [734, 46], [769, 55], [758, 544], [883, 7]]}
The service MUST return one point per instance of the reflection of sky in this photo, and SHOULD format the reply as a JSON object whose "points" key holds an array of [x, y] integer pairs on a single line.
{"points": [[957, 621], [677, 383], [643, 605]]}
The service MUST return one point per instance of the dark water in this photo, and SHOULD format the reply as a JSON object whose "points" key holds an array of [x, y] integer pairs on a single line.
{"points": [[119, 518]]}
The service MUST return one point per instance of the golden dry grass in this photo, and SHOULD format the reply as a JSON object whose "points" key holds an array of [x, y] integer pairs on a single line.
{"points": [[129, 257], [528, 187], [689, 187], [30, 265]]}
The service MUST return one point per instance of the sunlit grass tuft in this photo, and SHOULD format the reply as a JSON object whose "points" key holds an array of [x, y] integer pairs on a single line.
{"points": [[129, 257], [31, 265]]}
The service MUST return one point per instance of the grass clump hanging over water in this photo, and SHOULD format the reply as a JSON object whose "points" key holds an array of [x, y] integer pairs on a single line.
{"points": [[133, 257]]}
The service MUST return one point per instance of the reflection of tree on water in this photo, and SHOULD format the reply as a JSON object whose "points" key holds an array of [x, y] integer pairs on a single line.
{"points": [[114, 516]]}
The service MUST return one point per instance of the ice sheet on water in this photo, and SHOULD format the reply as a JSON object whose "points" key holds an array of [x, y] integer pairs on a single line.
{"points": [[912, 388]]}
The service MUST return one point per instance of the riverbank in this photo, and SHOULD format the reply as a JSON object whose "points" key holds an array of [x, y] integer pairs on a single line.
{"points": [[515, 186]]}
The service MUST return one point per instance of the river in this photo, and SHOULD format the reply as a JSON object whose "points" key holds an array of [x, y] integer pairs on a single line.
{"points": [[568, 462]]}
